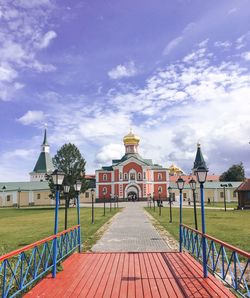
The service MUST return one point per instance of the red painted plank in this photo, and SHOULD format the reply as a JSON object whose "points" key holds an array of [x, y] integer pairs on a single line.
{"points": [[117, 283], [124, 278], [138, 277], [153, 286], [131, 276], [144, 276], [110, 278]]}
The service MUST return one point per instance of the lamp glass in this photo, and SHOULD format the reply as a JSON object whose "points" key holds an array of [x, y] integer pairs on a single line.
{"points": [[58, 177], [169, 189], [66, 188], [92, 191], [180, 183], [201, 174], [78, 185], [192, 184]]}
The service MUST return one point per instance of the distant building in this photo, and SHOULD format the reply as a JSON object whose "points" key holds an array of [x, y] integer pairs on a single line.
{"points": [[44, 163], [132, 177], [243, 191]]}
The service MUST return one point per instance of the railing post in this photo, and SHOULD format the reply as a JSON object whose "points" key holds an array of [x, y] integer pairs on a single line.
{"points": [[204, 254], [4, 278], [235, 271], [180, 229], [55, 232], [78, 222]]}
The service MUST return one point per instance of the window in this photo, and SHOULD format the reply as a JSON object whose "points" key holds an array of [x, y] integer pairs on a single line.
{"points": [[38, 196], [184, 195], [221, 194], [132, 176], [126, 176], [234, 194], [86, 194], [104, 177], [120, 175], [159, 176], [104, 190], [139, 176], [8, 198], [160, 189], [144, 175]]}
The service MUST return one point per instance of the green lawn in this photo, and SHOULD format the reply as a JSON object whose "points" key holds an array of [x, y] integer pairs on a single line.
{"points": [[19, 227], [221, 204], [230, 226]]}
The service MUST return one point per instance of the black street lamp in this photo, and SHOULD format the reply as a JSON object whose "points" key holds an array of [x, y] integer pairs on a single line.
{"points": [[66, 189], [104, 202], [180, 184], [170, 202], [3, 200], [154, 200], [159, 204], [192, 184], [57, 177], [110, 203], [92, 197], [224, 195], [19, 197], [78, 186], [200, 169]]}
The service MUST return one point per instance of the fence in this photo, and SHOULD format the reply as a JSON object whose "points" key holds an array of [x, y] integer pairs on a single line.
{"points": [[21, 268], [231, 264]]}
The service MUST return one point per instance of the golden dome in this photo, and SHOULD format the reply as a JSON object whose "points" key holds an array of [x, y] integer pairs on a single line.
{"points": [[131, 139]]}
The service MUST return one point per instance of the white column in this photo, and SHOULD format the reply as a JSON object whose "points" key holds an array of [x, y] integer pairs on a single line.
{"points": [[228, 195], [31, 196], [14, 197]]}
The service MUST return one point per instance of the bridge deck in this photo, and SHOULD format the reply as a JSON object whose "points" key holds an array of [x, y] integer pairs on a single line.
{"points": [[168, 274]]}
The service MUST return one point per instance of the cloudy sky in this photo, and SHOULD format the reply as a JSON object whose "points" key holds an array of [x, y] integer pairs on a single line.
{"points": [[176, 71]]}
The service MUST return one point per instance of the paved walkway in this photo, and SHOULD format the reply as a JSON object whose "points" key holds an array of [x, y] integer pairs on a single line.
{"points": [[131, 231]]}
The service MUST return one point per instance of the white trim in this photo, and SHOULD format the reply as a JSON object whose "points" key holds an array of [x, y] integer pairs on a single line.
{"points": [[132, 185]]}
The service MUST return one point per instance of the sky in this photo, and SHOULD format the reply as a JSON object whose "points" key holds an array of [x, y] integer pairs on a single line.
{"points": [[175, 71]]}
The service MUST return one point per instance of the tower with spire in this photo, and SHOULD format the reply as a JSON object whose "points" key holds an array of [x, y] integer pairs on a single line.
{"points": [[44, 163]]}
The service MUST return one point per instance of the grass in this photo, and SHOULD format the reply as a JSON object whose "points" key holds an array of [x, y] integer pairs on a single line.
{"points": [[221, 204], [20, 227], [231, 226]]}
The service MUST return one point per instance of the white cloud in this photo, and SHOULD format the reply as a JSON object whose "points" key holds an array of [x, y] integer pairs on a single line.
{"points": [[223, 44], [109, 152], [122, 71], [174, 43], [32, 117], [246, 56], [47, 38], [7, 73]]}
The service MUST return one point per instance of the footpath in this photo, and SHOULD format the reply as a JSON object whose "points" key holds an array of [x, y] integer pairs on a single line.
{"points": [[131, 231]]}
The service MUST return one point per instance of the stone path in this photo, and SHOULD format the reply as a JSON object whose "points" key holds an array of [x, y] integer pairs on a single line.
{"points": [[131, 231]]}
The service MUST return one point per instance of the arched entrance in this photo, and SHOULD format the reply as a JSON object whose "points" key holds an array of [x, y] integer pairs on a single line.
{"points": [[132, 192]]}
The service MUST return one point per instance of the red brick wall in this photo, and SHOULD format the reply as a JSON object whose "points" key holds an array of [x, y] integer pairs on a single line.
{"points": [[163, 175], [108, 177], [108, 193], [132, 165]]}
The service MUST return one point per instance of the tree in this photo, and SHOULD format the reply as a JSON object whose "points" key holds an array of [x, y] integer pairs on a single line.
{"points": [[234, 173], [69, 159]]}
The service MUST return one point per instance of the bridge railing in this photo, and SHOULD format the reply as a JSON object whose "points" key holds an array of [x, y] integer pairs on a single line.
{"points": [[231, 264], [22, 267]]}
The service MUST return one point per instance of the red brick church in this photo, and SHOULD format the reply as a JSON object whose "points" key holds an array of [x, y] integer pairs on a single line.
{"points": [[132, 177]]}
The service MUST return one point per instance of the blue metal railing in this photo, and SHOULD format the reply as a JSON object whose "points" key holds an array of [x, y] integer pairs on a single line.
{"points": [[231, 264], [21, 268]]}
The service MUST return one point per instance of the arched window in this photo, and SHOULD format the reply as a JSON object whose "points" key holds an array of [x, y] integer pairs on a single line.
{"points": [[139, 176], [120, 175], [159, 189], [104, 177], [104, 190], [125, 176], [159, 176]]}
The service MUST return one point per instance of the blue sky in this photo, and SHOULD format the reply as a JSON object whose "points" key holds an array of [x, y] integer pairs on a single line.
{"points": [[177, 72]]}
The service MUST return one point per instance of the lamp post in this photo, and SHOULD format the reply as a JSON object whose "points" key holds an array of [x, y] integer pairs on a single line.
{"points": [[19, 197], [154, 200], [180, 184], [159, 196], [57, 177], [224, 195], [92, 197], [117, 199], [3, 200], [200, 169], [66, 189], [78, 186], [110, 203], [104, 202], [192, 184], [150, 200], [170, 202]]}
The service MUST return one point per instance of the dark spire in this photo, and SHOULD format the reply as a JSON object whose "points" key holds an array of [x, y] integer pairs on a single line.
{"points": [[45, 143], [199, 160]]}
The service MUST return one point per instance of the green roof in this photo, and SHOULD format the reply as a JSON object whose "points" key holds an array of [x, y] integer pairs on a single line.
{"points": [[24, 186], [210, 185], [130, 155], [44, 163]]}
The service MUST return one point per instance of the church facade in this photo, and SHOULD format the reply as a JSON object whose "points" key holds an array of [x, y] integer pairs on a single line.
{"points": [[132, 177]]}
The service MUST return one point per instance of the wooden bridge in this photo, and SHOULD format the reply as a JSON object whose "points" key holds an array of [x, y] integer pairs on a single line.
{"points": [[130, 275]]}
